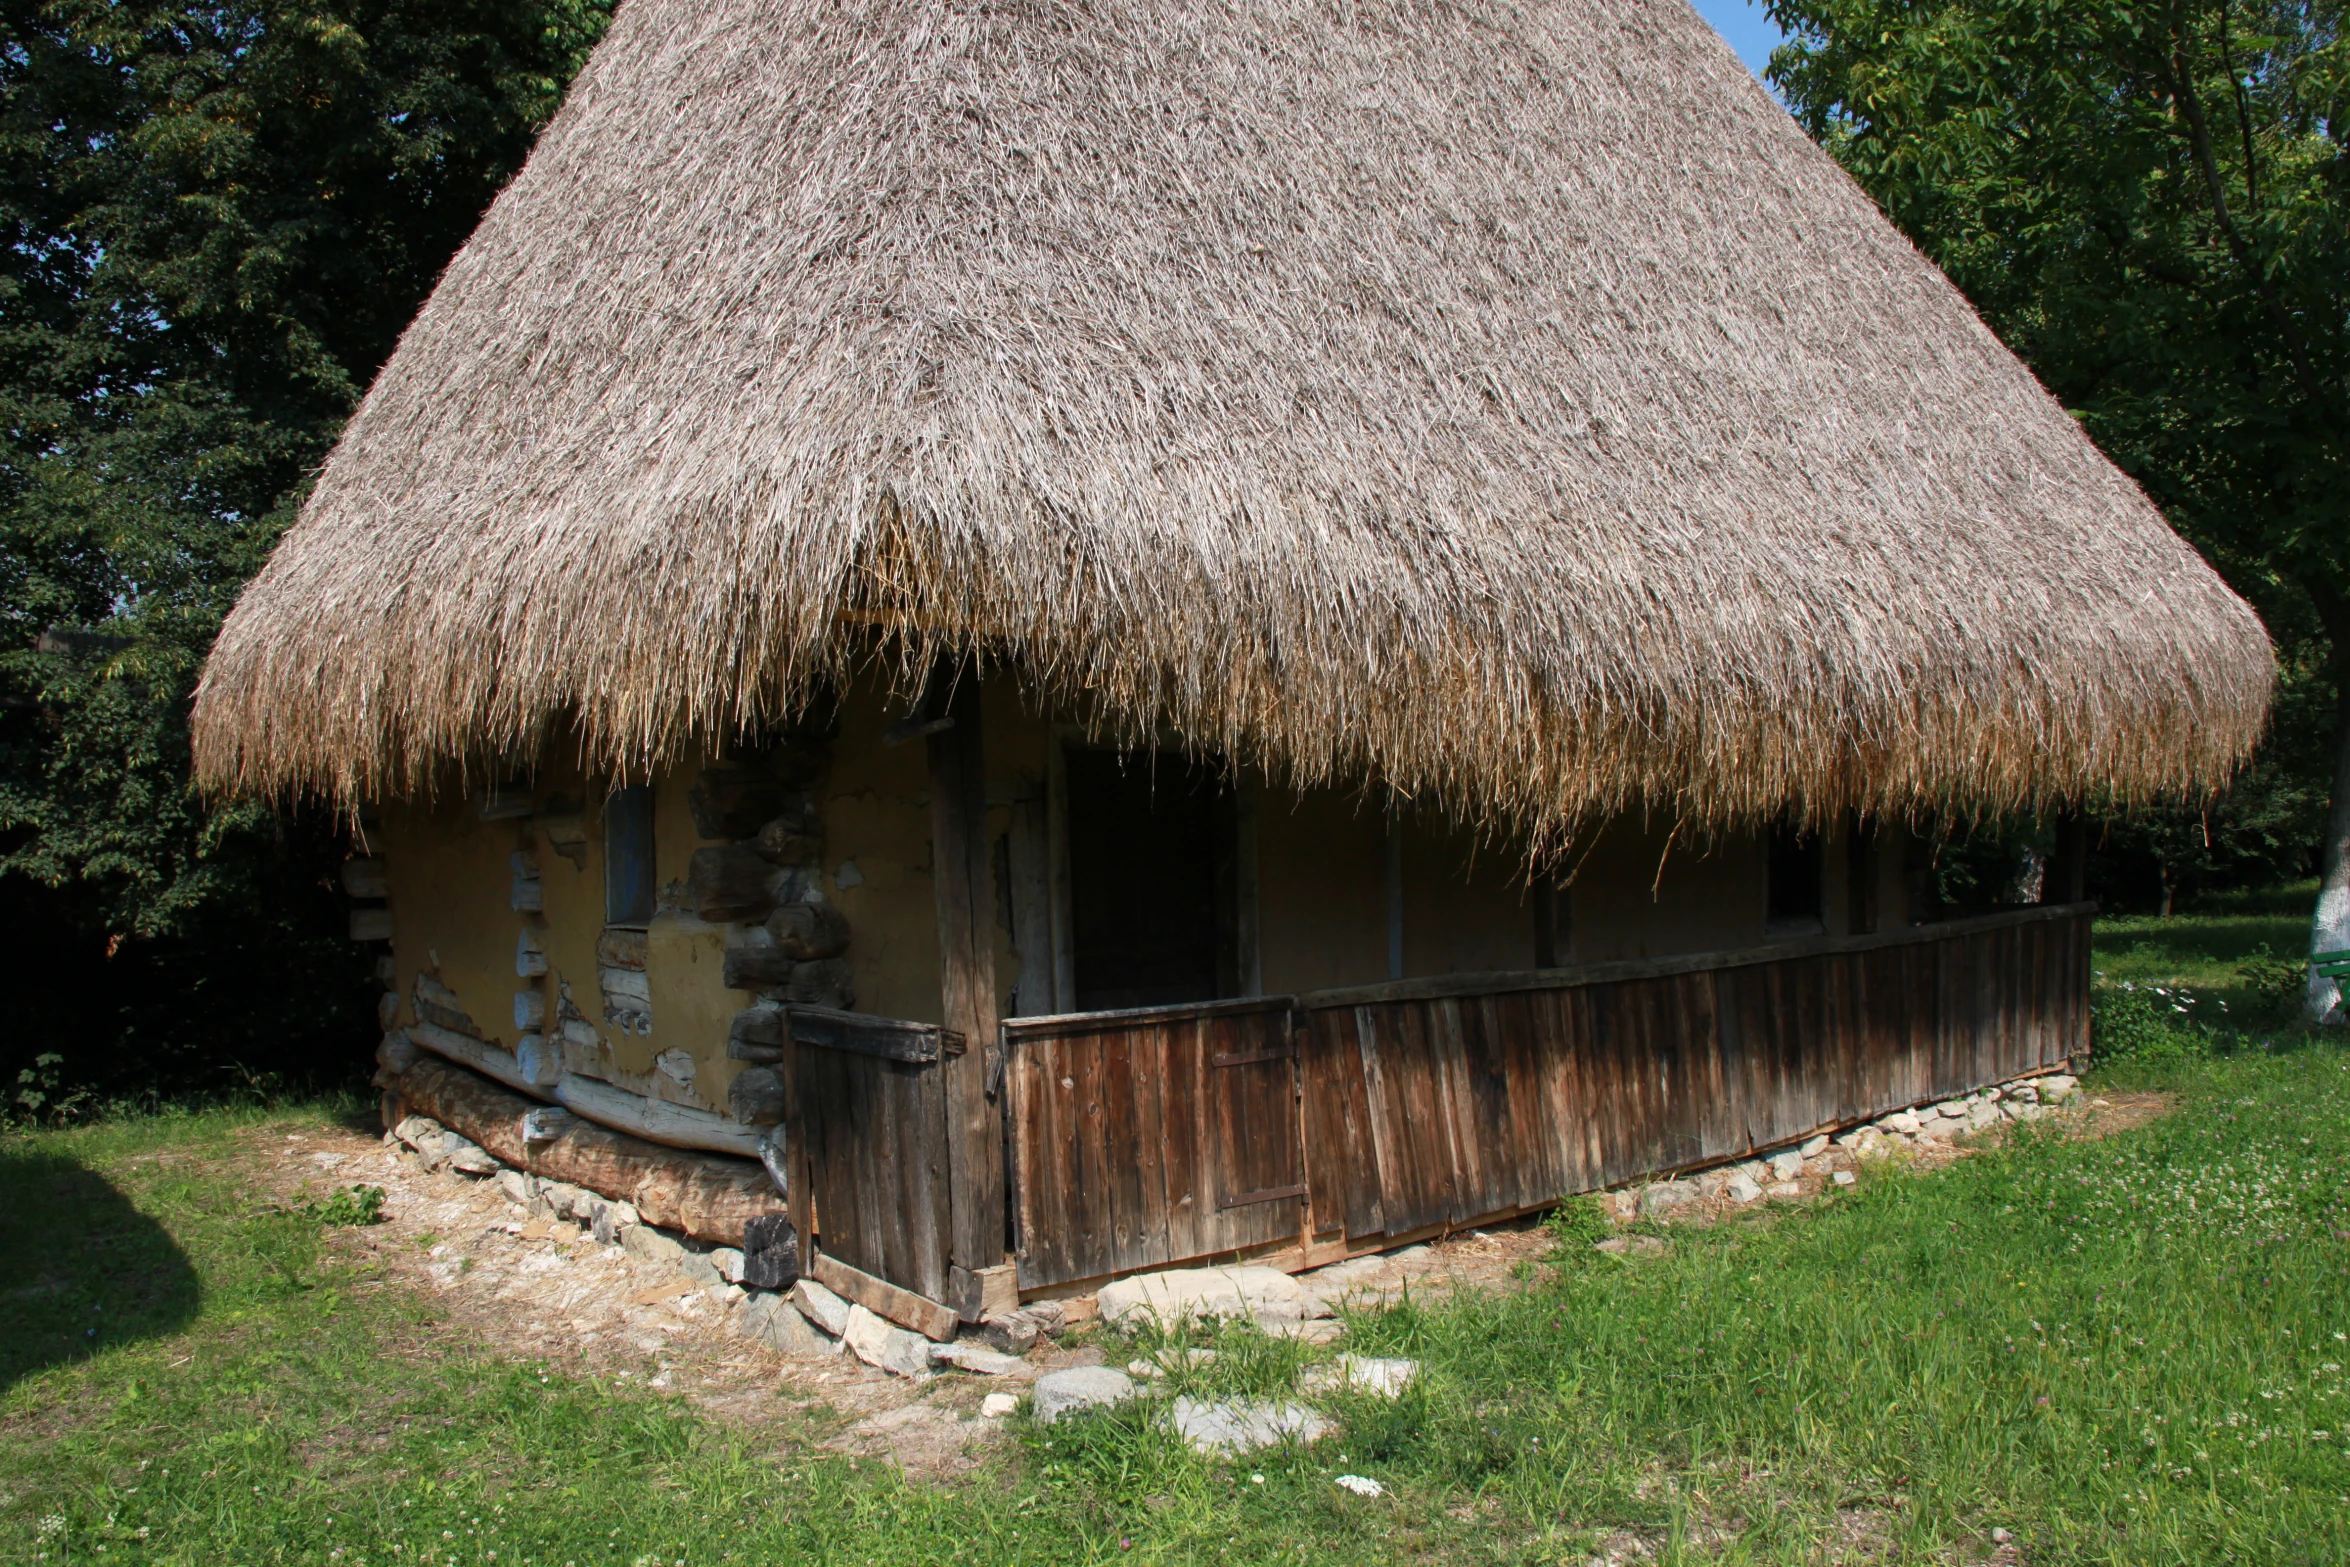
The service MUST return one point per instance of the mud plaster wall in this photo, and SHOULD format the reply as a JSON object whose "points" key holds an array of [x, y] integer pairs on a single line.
{"points": [[1321, 876]]}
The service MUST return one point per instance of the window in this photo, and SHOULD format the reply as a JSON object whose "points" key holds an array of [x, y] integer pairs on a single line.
{"points": [[1795, 907], [628, 856]]}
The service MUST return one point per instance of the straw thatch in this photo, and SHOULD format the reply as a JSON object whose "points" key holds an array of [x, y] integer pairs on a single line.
{"points": [[1504, 400]]}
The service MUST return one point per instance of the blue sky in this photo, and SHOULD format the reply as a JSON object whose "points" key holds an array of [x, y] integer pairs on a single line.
{"points": [[1743, 23]]}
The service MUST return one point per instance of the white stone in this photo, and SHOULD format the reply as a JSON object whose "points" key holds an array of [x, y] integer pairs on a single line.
{"points": [[1783, 1190], [1755, 1170], [468, 1158], [2055, 1090], [770, 1320], [1198, 1294], [647, 1244], [1666, 1196], [415, 1129], [1080, 1387], [997, 1405], [1952, 1109], [1982, 1116], [728, 1261], [1785, 1165], [1360, 1374], [878, 1343], [1813, 1147], [821, 1306], [2025, 1093], [1901, 1123], [518, 1187], [1322, 1330], [1243, 1425], [1844, 1178], [1740, 1189], [977, 1359]]}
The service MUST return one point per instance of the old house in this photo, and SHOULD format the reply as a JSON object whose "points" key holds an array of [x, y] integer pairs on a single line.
{"points": [[1069, 639]]}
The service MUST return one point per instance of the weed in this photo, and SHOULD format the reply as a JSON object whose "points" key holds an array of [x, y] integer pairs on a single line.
{"points": [[352, 1206]]}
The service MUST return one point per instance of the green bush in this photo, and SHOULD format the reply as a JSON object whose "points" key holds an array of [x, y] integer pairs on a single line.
{"points": [[1577, 1223], [2277, 984], [2145, 1023]]}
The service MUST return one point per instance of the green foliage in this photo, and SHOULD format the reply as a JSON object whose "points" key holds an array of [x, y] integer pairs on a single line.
{"points": [[1576, 1223], [2151, 205], [2145, 1024], [2276, 984], [220, 218], [352, 1206]]}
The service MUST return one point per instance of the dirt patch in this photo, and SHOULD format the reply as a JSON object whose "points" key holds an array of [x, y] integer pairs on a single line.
{"points": [[550, 1292]]}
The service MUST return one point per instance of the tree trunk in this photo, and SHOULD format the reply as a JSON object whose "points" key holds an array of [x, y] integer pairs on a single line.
{"points": [[2329, 926]]}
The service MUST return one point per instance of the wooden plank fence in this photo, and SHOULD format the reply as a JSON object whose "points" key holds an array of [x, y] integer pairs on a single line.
{"points": [[1319, 1124]]}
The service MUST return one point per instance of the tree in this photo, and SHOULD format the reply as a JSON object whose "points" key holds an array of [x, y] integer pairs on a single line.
{"points": [[219, 218], [2150, 202]]}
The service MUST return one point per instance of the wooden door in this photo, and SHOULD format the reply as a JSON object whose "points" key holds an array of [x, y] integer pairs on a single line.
{"points": [[871, 1113]]}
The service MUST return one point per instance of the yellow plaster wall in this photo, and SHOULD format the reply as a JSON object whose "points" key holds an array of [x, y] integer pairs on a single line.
{"points": [[451, 881], [876, 807]]}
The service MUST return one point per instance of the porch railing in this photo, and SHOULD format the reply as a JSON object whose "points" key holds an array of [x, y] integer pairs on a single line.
{"points": [[1306, 1127]]}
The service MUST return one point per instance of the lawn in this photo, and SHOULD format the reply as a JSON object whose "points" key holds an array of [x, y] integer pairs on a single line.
{"points": [[2122, 1350]]}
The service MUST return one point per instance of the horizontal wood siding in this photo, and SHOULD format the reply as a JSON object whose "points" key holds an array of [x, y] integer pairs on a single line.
{"points": [[1423, 1104]]}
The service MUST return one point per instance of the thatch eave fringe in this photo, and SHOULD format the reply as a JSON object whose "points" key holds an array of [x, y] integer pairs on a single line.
{"points": [[1505, 403]]}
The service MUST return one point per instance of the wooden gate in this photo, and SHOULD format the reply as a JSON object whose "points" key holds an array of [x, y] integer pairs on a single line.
{"points": [[1146, 1136], [1347, 1120], [869, 1106]]}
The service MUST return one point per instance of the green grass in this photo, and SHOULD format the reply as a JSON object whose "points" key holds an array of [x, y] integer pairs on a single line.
{"points": [[2121, 1351], [2204, 949]]}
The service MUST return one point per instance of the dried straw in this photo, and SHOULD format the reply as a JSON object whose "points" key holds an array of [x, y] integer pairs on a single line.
{"points": [[1504, 401]]}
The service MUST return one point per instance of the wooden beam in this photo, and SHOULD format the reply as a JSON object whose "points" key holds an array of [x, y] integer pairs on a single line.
{"points": [[964, 877], [884, 1299], [708, 1197]]}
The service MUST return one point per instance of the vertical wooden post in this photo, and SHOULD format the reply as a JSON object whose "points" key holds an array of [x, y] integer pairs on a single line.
{"points": [[964, 873]]}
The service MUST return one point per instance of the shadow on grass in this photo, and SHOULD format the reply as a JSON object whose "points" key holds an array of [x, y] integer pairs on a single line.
{"points": [[81, 1268]]}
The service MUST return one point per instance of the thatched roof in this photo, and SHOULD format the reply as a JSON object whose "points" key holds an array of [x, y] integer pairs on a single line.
{"points": [[1504, 400]]}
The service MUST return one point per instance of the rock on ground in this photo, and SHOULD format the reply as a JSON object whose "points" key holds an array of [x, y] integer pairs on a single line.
{"points": [[1196, 1294], [878, 1343], [1665, 1196], [977, 1359], [1080, 1387], [1242, 1425], [821, 1306], [1360, 1374]]}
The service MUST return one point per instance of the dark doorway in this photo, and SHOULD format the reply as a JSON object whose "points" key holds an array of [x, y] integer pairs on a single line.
{"points": [[1150, 852], [1797, 905]]}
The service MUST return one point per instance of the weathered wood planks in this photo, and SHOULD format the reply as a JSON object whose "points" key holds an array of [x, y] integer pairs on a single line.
{"points": [[1154, 1137]]}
